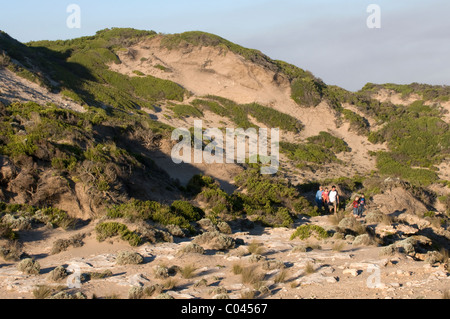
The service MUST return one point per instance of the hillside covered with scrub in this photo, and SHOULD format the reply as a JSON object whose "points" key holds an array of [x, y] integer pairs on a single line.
{"points": [[86, 169]]}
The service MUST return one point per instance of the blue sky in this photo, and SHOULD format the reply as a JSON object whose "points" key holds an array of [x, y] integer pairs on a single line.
{"points": [[330, 38]]}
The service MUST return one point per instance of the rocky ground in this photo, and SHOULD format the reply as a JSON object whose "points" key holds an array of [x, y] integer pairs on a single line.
{"points": [[264, 263]]}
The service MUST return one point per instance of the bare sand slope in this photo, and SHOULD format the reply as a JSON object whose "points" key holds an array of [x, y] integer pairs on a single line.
{"points": [[15, 88], [216, 71]]}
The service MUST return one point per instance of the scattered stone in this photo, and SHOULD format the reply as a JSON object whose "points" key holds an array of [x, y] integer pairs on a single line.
{"points": [[318, 277], [375, 217], [362, 240], [349, 238], [176, 231], [201, 283], [431, 257], [353, 272], [176, 295], [388, 250], [224, 228], [238, 253], [139, 280], [215, 240], [79, 266], [206, 225], [406, 230], [407, 246], [256, 258], [414, 220], [380, 285]]}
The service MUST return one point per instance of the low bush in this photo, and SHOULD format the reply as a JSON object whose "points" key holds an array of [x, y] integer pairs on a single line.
{"points": [[129, 258], [239, 114], [11, 251], [183, 111], [388, 164], [320, 149], [358, 123], [353, 225], [29, 266], [181, 213], [112, 229], [192, 249], [270, 200], [57, 274], [306, 231]]}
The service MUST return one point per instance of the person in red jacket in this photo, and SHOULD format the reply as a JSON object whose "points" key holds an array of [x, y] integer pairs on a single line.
{"points": [[326, 199], [356, 207]]}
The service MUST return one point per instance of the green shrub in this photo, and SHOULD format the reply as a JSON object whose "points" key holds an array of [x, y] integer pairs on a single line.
{"points": [[72, 96], [139, 73], [180, 215], [446, 201], [307, 91], [68, 164], [273, 118], [54, 216], [306, 231], [162, 68], [426, 91], [239, 114], [421, 141], [389, 165], [320, 149], [269, 200], [187, 210], [308, 153], [81, 68], [330, 142], [112, 229], [7, 233], [358, 123], [212, 106], [182, 111], [303, 207], [198, 182]]}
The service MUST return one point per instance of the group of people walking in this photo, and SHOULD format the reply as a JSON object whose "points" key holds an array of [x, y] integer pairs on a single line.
{"points": [[329, 200]]}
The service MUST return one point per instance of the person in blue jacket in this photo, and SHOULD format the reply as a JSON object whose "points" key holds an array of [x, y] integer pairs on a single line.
{"points": [[362, 205], [319, 201]]}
